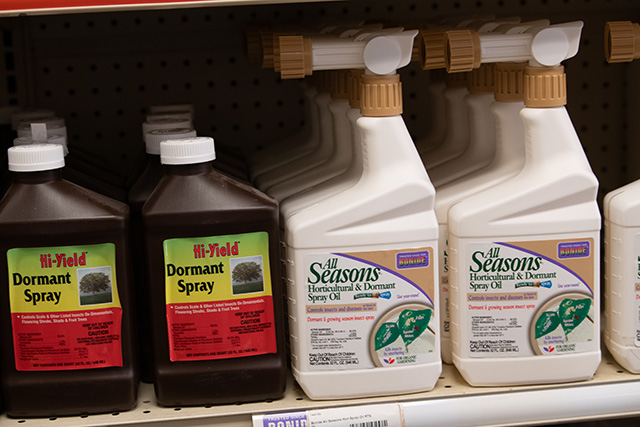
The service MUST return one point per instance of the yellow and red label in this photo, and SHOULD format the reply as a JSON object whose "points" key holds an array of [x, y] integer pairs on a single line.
{"points": [[219, 300], [65, 309]]}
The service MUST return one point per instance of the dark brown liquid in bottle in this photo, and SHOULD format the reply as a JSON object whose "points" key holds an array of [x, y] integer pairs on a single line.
{"points": [[193, 201], [41, 210]]}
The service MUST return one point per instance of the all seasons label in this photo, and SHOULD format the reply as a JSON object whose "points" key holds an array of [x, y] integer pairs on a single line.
{"points": [[530, 298], [219, 298], [370, 309], [65, 310]]}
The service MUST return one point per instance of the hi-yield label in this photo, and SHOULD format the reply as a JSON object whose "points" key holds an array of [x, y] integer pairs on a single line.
{"points": [[219, 297], [65, 309]]}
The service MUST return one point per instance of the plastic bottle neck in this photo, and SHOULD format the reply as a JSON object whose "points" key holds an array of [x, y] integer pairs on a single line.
{"points": [[481, 127], [37, 177], [509, 132], [551, 138], [387, 148], [191, 169], [355, 166]]}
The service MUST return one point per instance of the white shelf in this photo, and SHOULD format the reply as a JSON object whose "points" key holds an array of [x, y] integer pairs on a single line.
{"points": [[612, 393]]}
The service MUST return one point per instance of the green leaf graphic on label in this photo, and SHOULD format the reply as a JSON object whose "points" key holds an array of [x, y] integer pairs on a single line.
{"points": [[386, 334], [413, 323], [572, 312], [547, 322]]}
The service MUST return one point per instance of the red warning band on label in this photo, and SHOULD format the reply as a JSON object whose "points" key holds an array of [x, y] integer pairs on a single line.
{"points": [[69, 340]]}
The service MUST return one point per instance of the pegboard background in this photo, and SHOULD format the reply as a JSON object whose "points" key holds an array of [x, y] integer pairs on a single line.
{"points": [[101, 71]]}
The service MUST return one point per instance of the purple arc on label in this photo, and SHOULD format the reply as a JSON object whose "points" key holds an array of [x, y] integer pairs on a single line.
{"points": [[552, 261], [373, 264]]}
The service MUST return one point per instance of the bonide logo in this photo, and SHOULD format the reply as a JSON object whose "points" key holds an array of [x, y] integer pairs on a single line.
{"points": [[574, 250], [412, 259], [548, 349], [389, 361]]}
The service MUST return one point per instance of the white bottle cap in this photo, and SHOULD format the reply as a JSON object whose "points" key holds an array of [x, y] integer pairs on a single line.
{"points": [[171, 107], [156, 136], [187, 151], [51, 139], [27, 114], [35, 157], [166, 123]]}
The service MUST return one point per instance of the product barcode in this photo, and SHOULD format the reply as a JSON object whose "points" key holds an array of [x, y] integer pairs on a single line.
{"points": [[380, 423]]}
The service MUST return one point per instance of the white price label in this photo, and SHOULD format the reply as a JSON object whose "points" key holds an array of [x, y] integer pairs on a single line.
{"points": [[383, 415]]}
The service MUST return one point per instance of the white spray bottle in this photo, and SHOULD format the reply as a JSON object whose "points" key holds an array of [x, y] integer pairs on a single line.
{"points": [[524, 254], [362, 297], [622, 233]]}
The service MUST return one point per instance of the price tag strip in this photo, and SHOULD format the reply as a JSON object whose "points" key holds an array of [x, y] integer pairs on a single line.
{"points": [[381, 415]]}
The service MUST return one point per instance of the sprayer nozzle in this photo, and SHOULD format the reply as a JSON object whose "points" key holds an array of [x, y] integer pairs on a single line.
{"points": [[462, 50], [621, 41], [432, 50], [295, 57]]}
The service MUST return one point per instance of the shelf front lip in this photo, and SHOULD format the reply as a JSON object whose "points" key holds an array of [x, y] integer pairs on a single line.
{"points": [[10, 8], [530, 407]]}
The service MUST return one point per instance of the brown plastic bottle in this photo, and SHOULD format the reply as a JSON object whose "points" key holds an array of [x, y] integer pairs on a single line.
{"points": [[138, 195], [65, 299], [221, 341]]}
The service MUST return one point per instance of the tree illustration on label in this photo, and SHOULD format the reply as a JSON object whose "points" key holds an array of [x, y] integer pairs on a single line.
{"points": [[95, 282], [246, 271], [413, 323], [386, 334], [572, 312], [546, 323]]}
